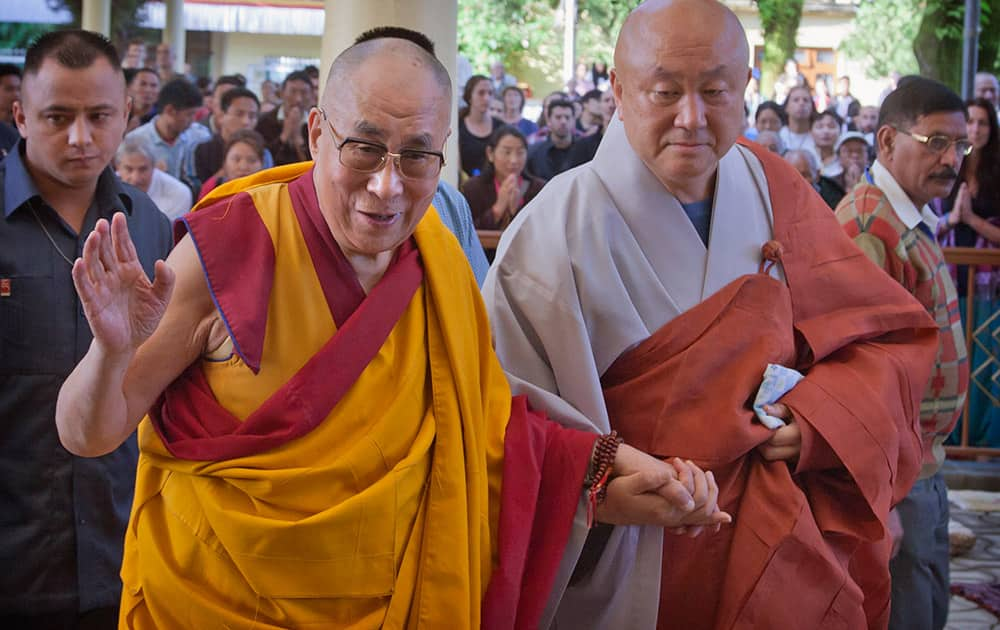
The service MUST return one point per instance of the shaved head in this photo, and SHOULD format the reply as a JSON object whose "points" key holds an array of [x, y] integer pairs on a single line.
{"points": [[362, 57], [682, 23], [681, 67]]}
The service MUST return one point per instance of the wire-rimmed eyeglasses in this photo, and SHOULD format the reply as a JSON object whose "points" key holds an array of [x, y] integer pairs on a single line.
{"points": [[366, 156]]}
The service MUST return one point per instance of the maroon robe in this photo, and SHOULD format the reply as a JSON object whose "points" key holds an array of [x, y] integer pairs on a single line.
{"points": [[808, 547]]}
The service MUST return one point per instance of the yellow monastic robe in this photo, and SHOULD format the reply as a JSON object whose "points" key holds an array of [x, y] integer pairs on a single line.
{"points": [[384, 514]]}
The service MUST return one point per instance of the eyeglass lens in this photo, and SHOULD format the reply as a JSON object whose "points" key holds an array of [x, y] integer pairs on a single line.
{"points": [[366, 157]]}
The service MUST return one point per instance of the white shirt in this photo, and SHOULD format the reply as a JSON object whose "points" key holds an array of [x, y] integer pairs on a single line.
{"points": [[171, 196], [901, 203]]}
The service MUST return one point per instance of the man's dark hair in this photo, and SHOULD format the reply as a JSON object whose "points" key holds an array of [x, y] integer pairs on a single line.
{"points": [[132, 73], [914, 97], [230, 79], [7, 69], [180, 93], [397, 32], [561, 102], [311, 71], [830, 113], [520, 95], [235, 93], [73, 49], [589, 96], [774, 107], [298, 75]]}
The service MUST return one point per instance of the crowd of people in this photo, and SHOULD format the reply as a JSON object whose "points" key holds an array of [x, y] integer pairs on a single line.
{"points": [[257, 371]]}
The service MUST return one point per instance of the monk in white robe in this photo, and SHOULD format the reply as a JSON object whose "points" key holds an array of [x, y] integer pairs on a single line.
{"points": [[611, 311]]}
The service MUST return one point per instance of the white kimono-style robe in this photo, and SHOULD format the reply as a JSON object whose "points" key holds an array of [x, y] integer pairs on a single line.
{"points": [[601, 259]]}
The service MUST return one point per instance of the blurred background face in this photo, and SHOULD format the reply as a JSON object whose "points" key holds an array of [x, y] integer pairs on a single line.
{"points": [[768, 120], [509, 157], [769, 140], [978, 127], [145, 88], [825, 132], [799, 103], [607, 106], [295, 93], [513, 101], [801, 164], [496, 108], [136, 170], [241, 160], [242, 114], [177, 120], [216, 104], [867, 119], [482, 95], [10, 91], [561, 121], [986, 87], [164, 56], [853, 153]]}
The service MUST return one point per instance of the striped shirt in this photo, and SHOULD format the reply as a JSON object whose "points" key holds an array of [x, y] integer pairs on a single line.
{"points": [[887, 226]]}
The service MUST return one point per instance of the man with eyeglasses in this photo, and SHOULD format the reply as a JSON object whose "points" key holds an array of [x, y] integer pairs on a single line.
{"points": [[330, 440], [921, 143]]}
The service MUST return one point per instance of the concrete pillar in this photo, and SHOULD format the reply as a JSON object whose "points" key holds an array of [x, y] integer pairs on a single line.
{"points": [[438, 19], [96, 16], [174, 33]]}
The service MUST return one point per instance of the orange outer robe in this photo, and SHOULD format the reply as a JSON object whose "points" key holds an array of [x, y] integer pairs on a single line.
{"points": [[358, 462], [808, 547]]}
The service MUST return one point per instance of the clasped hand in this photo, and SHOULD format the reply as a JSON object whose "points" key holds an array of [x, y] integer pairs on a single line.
{"points": [[673, 494]]}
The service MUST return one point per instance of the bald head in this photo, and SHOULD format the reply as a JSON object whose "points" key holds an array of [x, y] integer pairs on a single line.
{"points": [[683, 24], [397, 54], [681, 68]]}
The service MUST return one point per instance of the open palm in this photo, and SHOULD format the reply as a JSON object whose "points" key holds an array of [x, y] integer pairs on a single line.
{"points": [[121, 304]]}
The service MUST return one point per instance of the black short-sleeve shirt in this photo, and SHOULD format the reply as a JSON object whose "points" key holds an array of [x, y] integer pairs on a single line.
{"points": [[62, 518]]}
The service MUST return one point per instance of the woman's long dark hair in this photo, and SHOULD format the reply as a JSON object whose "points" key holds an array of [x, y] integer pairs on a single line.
{"points": [[470, 86], [988, 169], [489, 171]]}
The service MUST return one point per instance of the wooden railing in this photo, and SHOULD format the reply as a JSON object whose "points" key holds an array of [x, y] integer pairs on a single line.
{"points": [[489, 238], [972, 257]]}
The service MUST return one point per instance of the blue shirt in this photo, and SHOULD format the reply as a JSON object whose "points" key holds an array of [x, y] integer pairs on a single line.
{"points": [[700, 213], [457, 217], [177, 156], [62, 518]]}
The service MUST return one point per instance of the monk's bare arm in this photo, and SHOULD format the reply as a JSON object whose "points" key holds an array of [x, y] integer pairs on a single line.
{"points": [[112, 388]]}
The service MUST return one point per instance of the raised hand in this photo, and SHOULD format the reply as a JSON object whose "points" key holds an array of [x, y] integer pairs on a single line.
{"points": [[120, 303]]}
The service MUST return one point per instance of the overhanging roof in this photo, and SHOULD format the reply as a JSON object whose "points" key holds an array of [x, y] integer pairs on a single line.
{"points": [[32, 11], [278, 17]]}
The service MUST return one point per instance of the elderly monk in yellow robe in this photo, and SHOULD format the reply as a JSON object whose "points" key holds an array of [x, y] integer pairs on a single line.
{"points": [[330, 440]]}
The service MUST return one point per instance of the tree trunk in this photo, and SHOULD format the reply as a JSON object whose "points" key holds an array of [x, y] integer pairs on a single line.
{"points": [[780, 21], [938, 52]]}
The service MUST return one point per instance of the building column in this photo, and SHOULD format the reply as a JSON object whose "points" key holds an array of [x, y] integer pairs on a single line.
{"points": [[438, 19], [96, 16], [174, 33]]}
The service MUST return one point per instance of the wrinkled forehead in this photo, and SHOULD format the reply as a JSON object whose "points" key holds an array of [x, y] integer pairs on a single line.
{"points": [[396, 102]]}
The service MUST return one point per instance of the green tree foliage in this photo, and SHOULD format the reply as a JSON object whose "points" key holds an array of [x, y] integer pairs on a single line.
{"points": [[925, 37], [18, 35], [528, 34], [882, 47], [597, 26], [780, 21], [938, 43], [522, 33]]}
